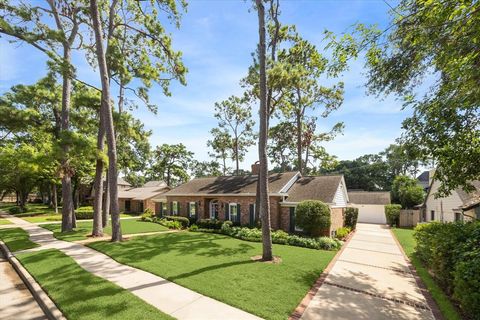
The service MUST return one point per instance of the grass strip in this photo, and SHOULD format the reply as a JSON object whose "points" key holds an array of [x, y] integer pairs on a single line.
{"points": [[17, 239]]}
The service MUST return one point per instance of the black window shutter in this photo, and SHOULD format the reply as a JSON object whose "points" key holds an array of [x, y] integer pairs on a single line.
{"points": [[196, 210], [227, 211], [252, 214], [239, 213], [292, 219], [160, 209], [171, 207]]}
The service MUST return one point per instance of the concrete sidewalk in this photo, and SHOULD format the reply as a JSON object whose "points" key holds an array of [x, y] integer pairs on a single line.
{"points": [[16, 302], [168, 297], [370, 280]]}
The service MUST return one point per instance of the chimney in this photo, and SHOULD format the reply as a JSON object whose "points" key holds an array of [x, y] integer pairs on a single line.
{"points": [[256, 168]]}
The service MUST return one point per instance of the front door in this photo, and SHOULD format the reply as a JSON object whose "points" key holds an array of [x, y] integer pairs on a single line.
{"points": [[214, 208]]}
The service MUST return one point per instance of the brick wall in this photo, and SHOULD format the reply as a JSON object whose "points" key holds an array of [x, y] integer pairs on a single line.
{"points": [[337, 216]]}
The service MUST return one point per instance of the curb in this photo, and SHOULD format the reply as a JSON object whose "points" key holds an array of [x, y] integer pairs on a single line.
{"points": [[46, 304], [437, 314], [300, 309]]}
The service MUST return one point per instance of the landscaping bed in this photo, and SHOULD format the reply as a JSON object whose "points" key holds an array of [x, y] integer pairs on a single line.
{"points": [[84, 229], [16, 239], [221, 267], [82, 295], [408, 243]]}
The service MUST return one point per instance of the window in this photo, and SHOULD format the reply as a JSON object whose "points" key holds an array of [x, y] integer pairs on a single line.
{"points": [[174, 208], [233, 212], [432, 215], [128, 205], [140, 206], [192, 209], [163, 207], [458, 216]]}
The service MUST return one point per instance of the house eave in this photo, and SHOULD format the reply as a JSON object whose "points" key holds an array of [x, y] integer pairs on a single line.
{"points": [[213, 195]]}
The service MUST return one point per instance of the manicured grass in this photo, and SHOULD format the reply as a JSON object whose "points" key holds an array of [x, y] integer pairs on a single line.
{"points": [[4, 221], [405, 237], [84, 228], [221, 267], [16, 239], [82, 295]]}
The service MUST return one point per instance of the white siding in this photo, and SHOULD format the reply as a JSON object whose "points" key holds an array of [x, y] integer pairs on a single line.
{"points": [[443, 207], [340, 199]]}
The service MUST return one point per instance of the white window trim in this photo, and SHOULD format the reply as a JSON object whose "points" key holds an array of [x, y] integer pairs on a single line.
{"points": [[194, 204], [234, 205], [175, 208], [254, 212]]}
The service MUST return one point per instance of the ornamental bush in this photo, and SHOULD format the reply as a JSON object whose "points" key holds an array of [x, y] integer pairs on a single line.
{"points": [[83, 213], [15, 210], [209, 224], [392, 213], [342, 233], [313, 217], [351, 217], [182, 220]]}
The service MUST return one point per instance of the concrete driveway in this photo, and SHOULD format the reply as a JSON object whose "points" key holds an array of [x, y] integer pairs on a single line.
{"points": [[370, 280]]}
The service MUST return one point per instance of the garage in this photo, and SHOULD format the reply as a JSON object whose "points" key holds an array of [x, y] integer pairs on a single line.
{"points": [[370, 204]]}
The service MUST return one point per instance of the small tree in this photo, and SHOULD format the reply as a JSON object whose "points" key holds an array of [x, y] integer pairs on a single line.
{"points": [[351, 216], [407, 192], [392, 213], [313, 217]]}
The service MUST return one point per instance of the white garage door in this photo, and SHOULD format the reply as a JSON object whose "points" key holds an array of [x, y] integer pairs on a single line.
{"points": [[371, 213]]}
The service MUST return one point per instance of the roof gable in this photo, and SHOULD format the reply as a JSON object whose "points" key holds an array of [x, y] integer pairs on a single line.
{"points": [[321, 188]]}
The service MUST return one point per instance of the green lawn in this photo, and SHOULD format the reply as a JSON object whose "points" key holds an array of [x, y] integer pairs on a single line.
{"points": [[81, 295], [405, 237], [84, 228], [220, 267], [16, 239], [4, 221]]}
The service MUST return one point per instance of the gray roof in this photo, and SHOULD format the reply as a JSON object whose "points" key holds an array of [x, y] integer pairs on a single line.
{"points": [[159, 183], [321, 188], [369, 197], [424, 176], [142, 193], [470, 199], [231, 185]]}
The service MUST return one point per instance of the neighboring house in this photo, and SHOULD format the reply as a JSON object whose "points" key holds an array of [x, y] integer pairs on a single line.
{"points": [[122, 184], [458, 206], [370, 204], [233, 198], [139, 199]]}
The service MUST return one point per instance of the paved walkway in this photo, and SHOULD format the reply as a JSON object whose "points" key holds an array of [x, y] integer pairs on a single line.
{"points": [[16, 302], [370, 280], [167, 296]]}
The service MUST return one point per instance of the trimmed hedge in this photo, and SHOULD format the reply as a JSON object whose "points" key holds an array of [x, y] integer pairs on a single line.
{"points": [[451, 251], [351, 217], [209, 223], [83, 213], [15, 210], [183, 220], [392, 213], [278, 237], [313, 217]]}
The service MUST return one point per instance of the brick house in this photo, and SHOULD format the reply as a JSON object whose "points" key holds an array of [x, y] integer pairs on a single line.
{"points": [[141, 198], [233, 198]]}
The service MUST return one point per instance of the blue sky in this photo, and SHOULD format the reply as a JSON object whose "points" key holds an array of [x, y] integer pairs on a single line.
{"points": [[217, 38]]}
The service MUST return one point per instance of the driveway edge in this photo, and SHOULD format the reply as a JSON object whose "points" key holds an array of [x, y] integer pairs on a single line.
{"points": [[300, 309], [46, 304], [428, 296]]}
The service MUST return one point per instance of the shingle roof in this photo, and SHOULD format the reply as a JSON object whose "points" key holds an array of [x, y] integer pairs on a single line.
{"points": [[470, 199], [141, 193], [369, 197], [231, 184], [321, 188], [159, 183]]}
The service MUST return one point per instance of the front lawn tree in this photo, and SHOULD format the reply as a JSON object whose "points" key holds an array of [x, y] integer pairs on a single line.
{"points": [[221, 143], [235, 117], [407, 192], [434, 43]]}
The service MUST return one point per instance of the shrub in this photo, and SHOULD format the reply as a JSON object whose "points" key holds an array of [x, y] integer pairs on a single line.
{"points": [[227, 227], [83, 213], [171, 224], [351, 217], [313, 217], [193, 228], [328, 243], [392, 213], [343, 232], [209, 224], [280, 237], [147, 215], [15, 210], [182, 220]]}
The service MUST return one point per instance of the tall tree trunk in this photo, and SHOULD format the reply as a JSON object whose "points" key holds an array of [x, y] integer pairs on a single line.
{"points": [[299, 143], [109, 129], [236, 157], [267, 254], [55, 198], [97, 230], [106, 207], [67, 205]]}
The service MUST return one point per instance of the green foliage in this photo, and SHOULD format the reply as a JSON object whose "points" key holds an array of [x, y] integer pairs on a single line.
{"points": [[84, 213], [407, 192], [392, 213], [147, 215], [193, 228], [184, 221], [17, 239], [313, 217], [438, 52], [171, 224], [451, 251], [209, 224], [351, 217], [342, 232], [202, 169], [220, 143], [171, 164], [16, 210]]}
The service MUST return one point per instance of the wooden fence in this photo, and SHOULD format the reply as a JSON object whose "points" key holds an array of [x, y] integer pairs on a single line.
{"points": [[409, 218]]}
